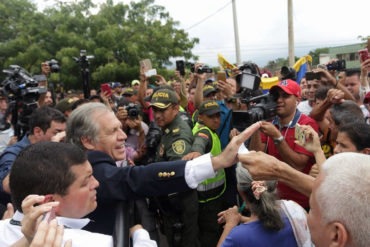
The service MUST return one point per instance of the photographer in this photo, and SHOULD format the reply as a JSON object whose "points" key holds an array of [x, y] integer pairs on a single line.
{"points": [[277, 137], [135, 129]]}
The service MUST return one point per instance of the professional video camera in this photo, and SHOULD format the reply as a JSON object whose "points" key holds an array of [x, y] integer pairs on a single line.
{"points": [[83, 61], [262, 107], [23, 92]]}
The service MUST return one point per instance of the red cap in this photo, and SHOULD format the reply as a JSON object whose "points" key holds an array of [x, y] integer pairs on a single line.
{"points": [[288, 86], [367, 98]]}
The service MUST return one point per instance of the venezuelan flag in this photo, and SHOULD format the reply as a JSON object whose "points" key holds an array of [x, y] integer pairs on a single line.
{"points": [[301, 67], [226, 65]]}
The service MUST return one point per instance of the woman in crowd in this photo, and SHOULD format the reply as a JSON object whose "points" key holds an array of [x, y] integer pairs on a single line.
{"points": [[271, 223], [353, 137]]}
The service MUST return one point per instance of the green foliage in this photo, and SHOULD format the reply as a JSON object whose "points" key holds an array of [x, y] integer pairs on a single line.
{"points": [[315, 54], [119, 36]]}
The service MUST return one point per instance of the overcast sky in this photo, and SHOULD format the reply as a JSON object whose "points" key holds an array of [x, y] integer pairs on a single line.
{"points": [[263, 26]]}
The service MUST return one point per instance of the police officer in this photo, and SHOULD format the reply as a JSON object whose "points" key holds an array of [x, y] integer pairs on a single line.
{"points": [[211, 191], [179, 211]]}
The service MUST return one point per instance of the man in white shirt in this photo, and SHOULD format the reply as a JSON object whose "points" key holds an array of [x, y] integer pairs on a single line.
{"points": [[61, 173]]}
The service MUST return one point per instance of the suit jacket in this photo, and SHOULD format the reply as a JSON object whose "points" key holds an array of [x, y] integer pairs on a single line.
{"points": [[129, 183]]}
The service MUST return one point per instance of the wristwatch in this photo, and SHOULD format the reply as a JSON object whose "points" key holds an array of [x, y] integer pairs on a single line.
{"points": [[278, 140]]}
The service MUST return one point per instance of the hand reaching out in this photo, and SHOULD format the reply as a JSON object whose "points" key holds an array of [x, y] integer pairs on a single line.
{"points": [[191, 156], [312, 143], [230, 216]]}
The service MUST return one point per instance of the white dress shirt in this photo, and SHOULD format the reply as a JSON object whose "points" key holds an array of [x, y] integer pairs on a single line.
{"points": [[10, 232]]}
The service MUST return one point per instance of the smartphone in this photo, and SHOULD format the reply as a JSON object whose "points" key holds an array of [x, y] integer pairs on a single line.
{"points": [[364, 54], [146, 64], [151, 72], [221, 76], [299, 135], [106, 89], [180, 66], [310, 76]]}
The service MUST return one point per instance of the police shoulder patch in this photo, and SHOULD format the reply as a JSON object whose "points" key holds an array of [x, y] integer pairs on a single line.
{"points": [[176, 130], [179, 146]]}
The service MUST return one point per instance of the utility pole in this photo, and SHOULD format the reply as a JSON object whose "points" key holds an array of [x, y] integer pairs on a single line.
{"points": [[236, 34], [290, 33]]}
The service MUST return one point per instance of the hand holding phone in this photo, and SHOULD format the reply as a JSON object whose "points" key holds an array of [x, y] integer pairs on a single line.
{"points": [[364, 55], [105, 88], [221, 76], [299, 135]]}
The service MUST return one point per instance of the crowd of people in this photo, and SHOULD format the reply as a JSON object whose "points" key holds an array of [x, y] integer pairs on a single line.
{"points": [[168, 150]]}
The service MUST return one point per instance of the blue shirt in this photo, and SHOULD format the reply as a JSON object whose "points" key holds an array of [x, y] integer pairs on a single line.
{"points": [[253, 234], [225, 126], [8, 156]]}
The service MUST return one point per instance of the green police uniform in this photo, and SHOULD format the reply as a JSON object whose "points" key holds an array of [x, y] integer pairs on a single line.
{"points": [[179, 211], [210, 192]]}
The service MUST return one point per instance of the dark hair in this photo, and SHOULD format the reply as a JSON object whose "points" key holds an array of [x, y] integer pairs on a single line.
{"points": [[321, 92], [359, 133], [346, 112], [351, 72], [265, 207], [96, 96], [79, 102], [44, 168], [42, 117]]}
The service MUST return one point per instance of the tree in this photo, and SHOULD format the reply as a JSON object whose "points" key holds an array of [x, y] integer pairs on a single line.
{"points": [[119, 36], [315, 54], [276, 64]]}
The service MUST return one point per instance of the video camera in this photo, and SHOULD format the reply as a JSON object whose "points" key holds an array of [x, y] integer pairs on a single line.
{"points": [[83, 61], [262, 107], [200, 69], [288, 73], [23, 92], [339, 65]]}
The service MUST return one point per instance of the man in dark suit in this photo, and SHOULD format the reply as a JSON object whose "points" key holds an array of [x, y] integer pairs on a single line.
{"points": [[95, 128]]}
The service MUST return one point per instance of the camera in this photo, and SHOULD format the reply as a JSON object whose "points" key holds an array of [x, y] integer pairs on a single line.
{"points": [[249, 79], [23, 92], [264, 108], [54, 66], [310, 76], [288, 73], [132, 111], [261, 107], [180, 66], [200, 69], [339, 65]]}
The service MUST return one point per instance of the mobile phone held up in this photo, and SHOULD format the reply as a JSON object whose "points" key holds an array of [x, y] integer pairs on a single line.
{"points": [[221, 76], [180, 66], [299, 135], [105, 88], [364, 54]]}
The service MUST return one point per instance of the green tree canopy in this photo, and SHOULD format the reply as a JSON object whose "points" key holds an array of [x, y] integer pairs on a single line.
{"points": [[119, 36], [315, 54]]}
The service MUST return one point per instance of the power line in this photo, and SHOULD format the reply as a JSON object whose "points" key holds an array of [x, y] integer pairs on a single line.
{"points": [[204, 19]]}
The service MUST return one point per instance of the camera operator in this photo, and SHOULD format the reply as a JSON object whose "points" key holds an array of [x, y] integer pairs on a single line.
{"points": [[277, 137]]}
